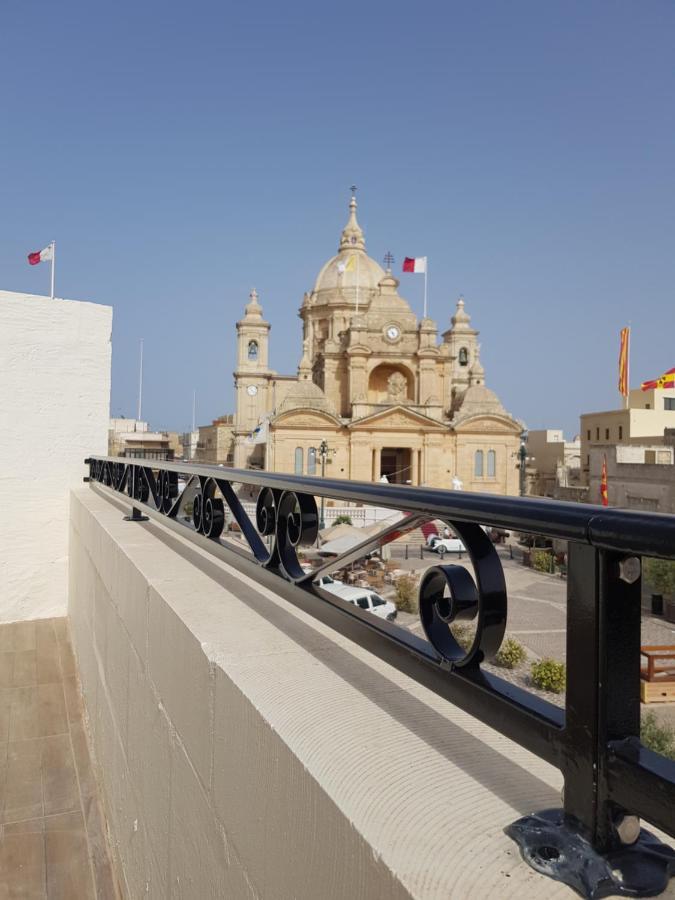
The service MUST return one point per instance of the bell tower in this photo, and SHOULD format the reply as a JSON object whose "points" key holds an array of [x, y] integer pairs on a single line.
{"points": [[251, 377], [462, 340]]}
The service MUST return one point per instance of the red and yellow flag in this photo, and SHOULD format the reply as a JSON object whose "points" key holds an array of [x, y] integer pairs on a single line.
{"points": [[604, 498], [667, 380], [623, 361]]}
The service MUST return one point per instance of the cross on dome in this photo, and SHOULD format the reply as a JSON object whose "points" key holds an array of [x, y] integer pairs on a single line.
{"points": [[352, 235]]}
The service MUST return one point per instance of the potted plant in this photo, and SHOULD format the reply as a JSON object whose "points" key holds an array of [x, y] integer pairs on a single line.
{"points": [[660, 574]]}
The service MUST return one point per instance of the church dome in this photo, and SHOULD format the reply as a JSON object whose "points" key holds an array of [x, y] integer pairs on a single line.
{"points": [[479, 400], [351, 265], [305, 395]]}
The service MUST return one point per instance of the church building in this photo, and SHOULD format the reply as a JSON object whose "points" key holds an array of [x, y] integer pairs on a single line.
{"points": [[375, 384]]}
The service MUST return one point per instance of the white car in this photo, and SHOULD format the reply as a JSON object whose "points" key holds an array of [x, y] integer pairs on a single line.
{"points": [[447, 545], [364, 599], [327, 580]]}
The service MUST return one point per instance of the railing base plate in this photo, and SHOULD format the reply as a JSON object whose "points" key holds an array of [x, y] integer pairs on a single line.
{"points": [[551, 846], [136, 516]]}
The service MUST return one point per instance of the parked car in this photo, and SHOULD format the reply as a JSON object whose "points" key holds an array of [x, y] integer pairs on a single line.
{"points": [[447, 545], [327, 580], [363, 598]]}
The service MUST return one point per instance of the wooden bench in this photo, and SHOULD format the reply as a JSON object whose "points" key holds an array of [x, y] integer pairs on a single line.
{"points": [[657, 678]]}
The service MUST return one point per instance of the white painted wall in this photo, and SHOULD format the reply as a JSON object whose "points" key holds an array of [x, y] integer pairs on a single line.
{"points": [[54, 411]]}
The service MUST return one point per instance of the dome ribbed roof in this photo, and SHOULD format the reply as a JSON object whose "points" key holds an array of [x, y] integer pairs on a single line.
{"points": [[305, 395], [351, 265]]}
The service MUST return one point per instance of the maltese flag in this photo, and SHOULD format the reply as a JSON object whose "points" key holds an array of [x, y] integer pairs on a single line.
{"points": [[415, 264], [41, 255]]}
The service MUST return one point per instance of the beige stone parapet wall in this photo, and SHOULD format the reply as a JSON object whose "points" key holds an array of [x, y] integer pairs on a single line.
{"points": [[247, 751]]}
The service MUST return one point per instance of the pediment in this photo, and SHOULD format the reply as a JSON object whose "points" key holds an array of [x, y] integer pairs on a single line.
{"points": [[482, 424], [305, 418], [397, 418]]}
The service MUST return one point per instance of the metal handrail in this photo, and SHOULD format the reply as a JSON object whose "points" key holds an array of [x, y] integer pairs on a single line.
{"points": [[610, 778]]}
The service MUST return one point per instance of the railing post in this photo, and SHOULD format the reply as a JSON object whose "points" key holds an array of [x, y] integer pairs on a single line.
{"points": [[603, 684], [585, 844]]}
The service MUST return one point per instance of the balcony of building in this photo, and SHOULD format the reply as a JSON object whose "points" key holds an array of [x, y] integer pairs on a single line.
{"points": [[225, 727]]}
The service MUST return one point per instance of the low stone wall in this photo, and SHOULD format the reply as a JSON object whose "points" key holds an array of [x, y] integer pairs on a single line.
{"points": [[245, 751]]}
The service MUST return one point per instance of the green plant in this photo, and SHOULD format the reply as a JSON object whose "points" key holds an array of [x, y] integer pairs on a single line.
{"points": [[510, 654], [549, 675], [464, 634], [541, 560], [342, 520], [659, 738], [406, 593], [660, 573]]}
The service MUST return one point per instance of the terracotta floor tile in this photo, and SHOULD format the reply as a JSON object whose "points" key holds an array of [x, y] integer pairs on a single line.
{"points": [[47, 848], [73, 700], [52, 709], [5, 638], [44, 632], [27, 826], [68, 666], [25, 668], [21, 636], [6, 670], [47, 663], [22, 866], [21, 796], [37, 711], [60, 627], [59, 783], [24, 721], [5, 712], [67, 857]]}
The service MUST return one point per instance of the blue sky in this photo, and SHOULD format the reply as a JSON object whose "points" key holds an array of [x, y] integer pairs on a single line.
{"points": [[182, 153]]}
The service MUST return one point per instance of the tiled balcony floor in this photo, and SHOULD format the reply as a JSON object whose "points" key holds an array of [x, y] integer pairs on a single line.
{"points": [[52, 842]]}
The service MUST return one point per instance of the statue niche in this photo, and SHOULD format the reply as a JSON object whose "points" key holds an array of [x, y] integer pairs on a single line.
{"points": [[390, 384], [397, 387]]}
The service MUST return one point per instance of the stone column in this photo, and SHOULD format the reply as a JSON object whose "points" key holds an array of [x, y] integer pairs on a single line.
{"points": [[376, 464]]}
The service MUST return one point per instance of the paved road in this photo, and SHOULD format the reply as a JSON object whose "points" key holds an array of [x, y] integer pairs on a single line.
{"points": [[537, 611], [537, 602]]}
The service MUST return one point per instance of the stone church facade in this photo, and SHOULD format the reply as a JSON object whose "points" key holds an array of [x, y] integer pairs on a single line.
{"points": [[378, 385]]}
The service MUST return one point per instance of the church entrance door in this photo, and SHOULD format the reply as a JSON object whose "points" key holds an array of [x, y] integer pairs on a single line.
{"points": [[396, 464]]}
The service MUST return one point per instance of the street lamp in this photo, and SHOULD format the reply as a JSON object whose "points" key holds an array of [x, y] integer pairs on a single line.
{"points": [[324, 450], [523, 460]]}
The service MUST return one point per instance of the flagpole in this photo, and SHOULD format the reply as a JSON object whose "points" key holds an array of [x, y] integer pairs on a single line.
{"points": [[53, 262], [140, 384], [625, 399], [426, 266]]}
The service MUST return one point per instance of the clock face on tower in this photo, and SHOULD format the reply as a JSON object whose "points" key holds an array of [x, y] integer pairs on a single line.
{"points": [[251, 390], [393, 332]]}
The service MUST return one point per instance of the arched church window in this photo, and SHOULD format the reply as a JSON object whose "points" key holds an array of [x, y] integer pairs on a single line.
{"points": [[253, 351], [298, 460], [311, 461], [478, 464], [491, 464], [463, 356]]}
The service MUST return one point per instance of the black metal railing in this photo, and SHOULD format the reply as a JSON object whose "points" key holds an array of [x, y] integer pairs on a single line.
{"points": [[611, 780]]}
